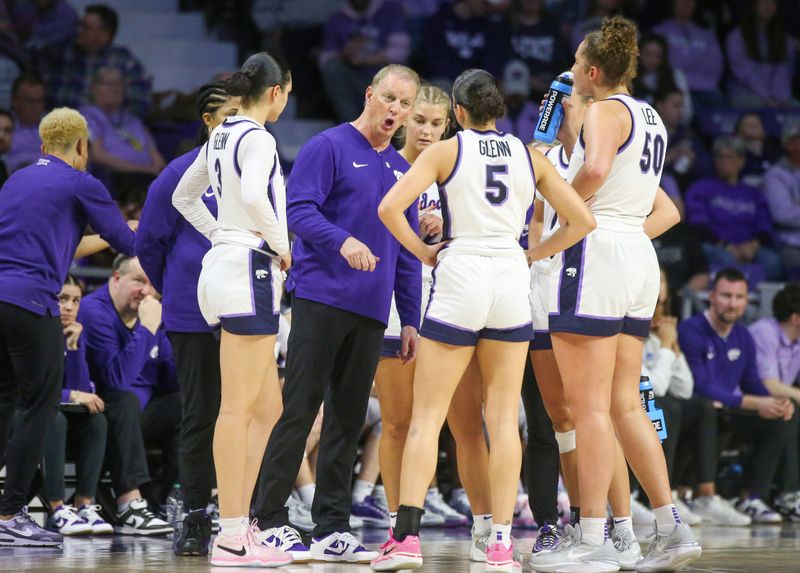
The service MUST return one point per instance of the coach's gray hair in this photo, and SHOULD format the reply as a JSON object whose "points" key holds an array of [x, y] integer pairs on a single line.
{"points": [[396, 69]]}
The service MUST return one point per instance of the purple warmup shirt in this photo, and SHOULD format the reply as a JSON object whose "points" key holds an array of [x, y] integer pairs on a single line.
{"points": [[76, 372], [44, 210], [724, 369], [26, 147], [731, 213], [336, 185], [778, 357], [123, 135], [688, 40], [752, 77], [122, 358], [782, 190], [171, 250]]}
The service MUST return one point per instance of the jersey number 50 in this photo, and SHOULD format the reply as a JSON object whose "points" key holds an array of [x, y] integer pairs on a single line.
{"points": [[496, 190], [653, 158]]}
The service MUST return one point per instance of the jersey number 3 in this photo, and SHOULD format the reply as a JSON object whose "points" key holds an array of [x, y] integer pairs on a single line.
{"points": [[653, 156], [218, 169], [496, 190]]}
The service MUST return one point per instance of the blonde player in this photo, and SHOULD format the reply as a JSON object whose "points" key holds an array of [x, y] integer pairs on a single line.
{"points": [[479, 303], [602, 303], [239, 291]]}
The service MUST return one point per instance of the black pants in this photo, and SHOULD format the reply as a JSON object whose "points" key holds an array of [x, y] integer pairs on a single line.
{"points": [[88, 434], [673, 420], [332, 356], [710, 430], [131, 429], [31, 375], [197, 360], [790, 472], [541, 453]]}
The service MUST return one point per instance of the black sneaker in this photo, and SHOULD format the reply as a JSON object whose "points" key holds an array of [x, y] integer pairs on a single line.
{"points": [[139, 520], [195, 535]]}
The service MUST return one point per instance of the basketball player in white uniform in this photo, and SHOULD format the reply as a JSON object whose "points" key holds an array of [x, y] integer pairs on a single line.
{"points": [[479, 300], [239, 290], [601, 305]]}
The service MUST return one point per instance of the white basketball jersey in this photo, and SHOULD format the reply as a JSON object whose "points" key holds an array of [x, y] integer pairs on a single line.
{"points": [[430, 202], [626, 197], [486, 197], [558, 158], [226, 147]]}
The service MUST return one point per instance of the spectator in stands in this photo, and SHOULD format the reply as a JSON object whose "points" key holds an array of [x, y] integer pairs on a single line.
{"points": [[777, 340], [6, 137], [687, 158], [28, 106], [49, 204], [760, 153], [521, 113], [657, 76], [86, 428], [69, 71], [362, 37], [45, 23], [461, 35], [732, 218], [536, 39], [669, 373], [119, 141], [727, 389], [760, 56], [686, 40], [130, 360], [782, 191]]}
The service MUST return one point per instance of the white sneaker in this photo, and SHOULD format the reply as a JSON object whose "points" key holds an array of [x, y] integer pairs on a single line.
{"points": [[341, 546], [716, 511], [356, 522], [758, 511], [99, 525], [288, 540], [575, 555], [67, 522], [299, 514], [434, 503], [670, 552], [684, 511], [629, 552], [139, 520], [788, 505], [640, 515]]}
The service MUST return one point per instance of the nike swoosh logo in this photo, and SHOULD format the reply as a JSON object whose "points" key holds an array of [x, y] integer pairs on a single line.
{"points": [[25, 533], [239, 553], [357, 165]]}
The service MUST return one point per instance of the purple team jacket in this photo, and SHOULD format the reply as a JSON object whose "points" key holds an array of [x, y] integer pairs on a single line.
{"points": [[76, 372]]}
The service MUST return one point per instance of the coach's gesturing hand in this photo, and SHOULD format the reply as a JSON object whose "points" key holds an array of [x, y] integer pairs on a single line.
{"points": [[358, 255], [150, 313], [408, 344]]}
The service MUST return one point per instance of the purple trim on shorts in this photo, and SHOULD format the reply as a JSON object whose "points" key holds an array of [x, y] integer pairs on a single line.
{"points": [[585, 325], [236, 151], [541, 340], [581, 266], [521, 333], [569, 285], [458, 162], [633, 124], [391, 346], [636, 326], [263, 319], [441, 331]]}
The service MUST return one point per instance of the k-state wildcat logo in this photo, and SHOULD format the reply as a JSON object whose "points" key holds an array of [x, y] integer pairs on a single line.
{"points": [[261, 274], [571, 272]]}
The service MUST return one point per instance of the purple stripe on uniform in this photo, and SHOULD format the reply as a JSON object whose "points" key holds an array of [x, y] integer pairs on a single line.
{"points": [[580, 139], [446, 218], [271, 198], [581, 266], [458, 162], [236, 151], [489, 132], [263, 320], [563, 163], [636, 326], [541, 340], [448, 333], [633, 125], [521, 333], [569, 279], [433, 286], [391, 346], [227, 123], [587, 326]]}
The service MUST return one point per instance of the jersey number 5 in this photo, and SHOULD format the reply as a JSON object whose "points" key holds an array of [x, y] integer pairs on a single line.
{"points": [[653, 158], [218, 169], [496, 190]]}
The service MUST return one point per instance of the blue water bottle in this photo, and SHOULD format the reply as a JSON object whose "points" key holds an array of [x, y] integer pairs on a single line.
{"points": [[553, 111], [653, 412]]}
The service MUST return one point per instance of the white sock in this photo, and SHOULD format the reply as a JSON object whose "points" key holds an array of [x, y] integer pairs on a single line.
{"points": [[501, 534], [483, 523], [232, 526], [624, 523], [593, 530], [361, 489], [306, 493], [393, 519], [666, 517]]}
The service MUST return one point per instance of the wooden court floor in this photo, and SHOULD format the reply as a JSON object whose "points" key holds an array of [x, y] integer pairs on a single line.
{"points": [[757, 549]]}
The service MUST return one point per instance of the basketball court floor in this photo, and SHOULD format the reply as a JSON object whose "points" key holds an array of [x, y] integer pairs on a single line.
{"points": [[757, 549]]}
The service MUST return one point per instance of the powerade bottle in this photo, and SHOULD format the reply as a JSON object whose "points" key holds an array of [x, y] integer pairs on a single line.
{"points": [[553, 111], [653, 412]]}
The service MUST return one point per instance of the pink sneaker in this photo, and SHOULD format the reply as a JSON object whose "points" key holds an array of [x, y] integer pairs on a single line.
{"points": [[232, 551], [265, 555], [500, 558], [397, 555]]}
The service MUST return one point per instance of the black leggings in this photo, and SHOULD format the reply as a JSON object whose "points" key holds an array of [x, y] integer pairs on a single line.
{"points": [[541, 453], [88, 433], [31, 375]]}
